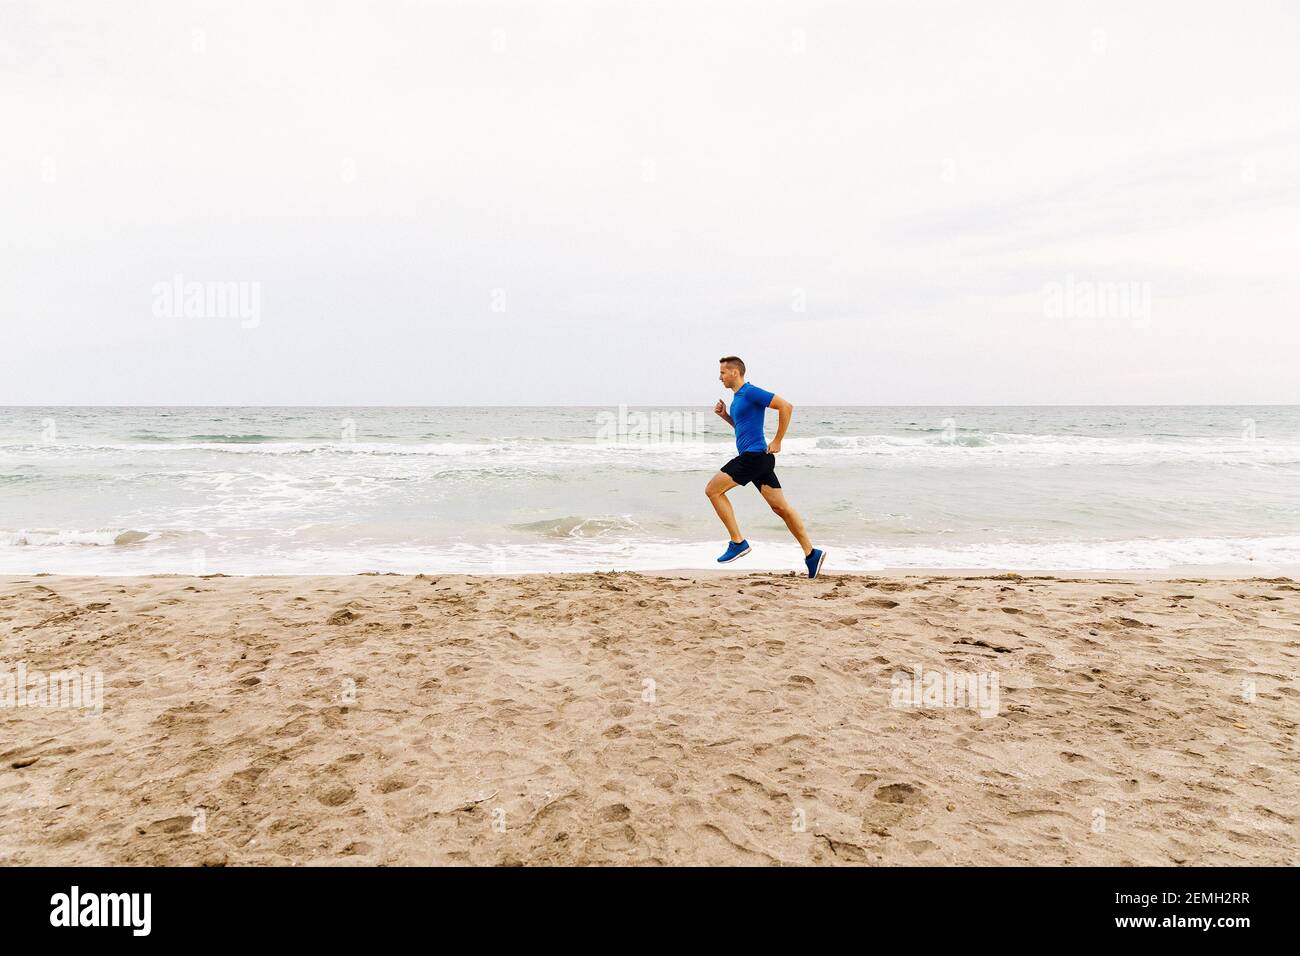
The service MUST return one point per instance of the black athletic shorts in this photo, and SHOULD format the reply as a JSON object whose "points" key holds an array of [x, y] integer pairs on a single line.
{"points": [[756, 466]]}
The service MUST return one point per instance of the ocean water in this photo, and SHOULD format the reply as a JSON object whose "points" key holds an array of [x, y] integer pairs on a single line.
{"points": [[506, 490]]}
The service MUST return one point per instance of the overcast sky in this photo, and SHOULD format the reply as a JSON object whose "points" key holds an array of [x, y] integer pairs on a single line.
{"points": [[577, 202]]}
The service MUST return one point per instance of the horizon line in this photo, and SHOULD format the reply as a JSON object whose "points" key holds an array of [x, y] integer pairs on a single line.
{"points": [[700, 405]]}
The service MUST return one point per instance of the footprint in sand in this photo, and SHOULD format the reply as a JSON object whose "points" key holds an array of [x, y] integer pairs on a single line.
{"points": [[1070, 757], [76, 835], [242, 783], [763, 699], [908, 793], [170, 825], [614, 813], [393, 784], [335, 795]]}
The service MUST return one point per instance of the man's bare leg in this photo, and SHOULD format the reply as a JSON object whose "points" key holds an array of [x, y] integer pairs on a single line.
{"points": [[781, 508], [717, 489]]}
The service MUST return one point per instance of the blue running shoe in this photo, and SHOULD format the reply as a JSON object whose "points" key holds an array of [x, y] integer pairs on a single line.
{"points": [[735, 549], [814, 562]]}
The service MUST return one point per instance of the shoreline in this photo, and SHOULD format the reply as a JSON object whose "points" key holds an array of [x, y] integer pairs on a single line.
{"points": [[1188, 573], [653, 719]]}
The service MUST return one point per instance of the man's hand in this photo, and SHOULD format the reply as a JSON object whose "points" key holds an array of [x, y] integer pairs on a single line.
{"points": [[774, 448], [720, 409]]}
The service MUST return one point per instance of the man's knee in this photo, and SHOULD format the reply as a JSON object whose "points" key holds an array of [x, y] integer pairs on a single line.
{"points": [[780, 510]]}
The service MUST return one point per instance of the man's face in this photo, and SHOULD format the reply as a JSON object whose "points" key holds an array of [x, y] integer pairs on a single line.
{"points": [[728, 376]]}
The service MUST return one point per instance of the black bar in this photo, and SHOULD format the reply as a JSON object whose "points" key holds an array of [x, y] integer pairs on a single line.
{"points": [[334, 906]]}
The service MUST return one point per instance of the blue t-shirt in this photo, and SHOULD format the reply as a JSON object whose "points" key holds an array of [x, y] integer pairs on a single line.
{"points": [[747, 409]]}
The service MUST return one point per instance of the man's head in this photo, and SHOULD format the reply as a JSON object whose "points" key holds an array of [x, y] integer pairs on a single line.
{"points": [[731, 372]]}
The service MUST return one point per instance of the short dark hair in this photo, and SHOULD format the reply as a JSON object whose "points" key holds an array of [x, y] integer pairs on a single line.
{"points": [[734, 361]]}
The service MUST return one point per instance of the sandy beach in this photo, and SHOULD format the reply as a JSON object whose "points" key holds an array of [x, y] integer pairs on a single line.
{"points": [[653, 719]]}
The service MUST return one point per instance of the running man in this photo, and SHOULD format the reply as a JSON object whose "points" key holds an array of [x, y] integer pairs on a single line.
{"points": [[755, 462]]}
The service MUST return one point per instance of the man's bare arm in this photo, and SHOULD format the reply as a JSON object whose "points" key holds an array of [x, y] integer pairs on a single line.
{"points": [[786, 411]]}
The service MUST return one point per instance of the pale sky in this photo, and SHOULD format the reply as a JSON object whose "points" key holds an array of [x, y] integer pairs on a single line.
{"points": [[589, 203]]}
